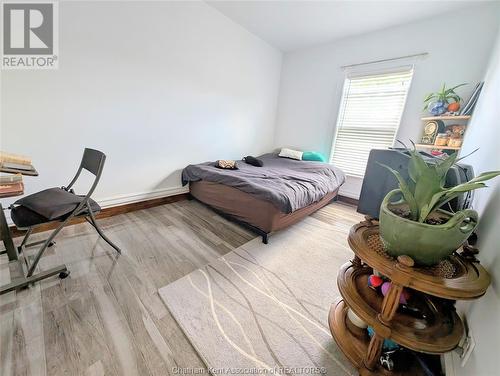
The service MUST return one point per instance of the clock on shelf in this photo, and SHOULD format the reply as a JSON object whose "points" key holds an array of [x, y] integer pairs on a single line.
{"points": [[431, 130]]}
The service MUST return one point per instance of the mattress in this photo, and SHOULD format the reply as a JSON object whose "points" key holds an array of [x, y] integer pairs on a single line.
{"points": [[249, 208]]}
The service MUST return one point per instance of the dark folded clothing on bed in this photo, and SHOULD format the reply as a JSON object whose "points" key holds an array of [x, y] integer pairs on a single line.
{"points": [[289, 184], [253, 161]]}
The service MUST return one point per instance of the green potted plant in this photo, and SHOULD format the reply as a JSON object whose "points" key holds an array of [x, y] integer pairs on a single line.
{"points": [[415, 225], [444, 100]]}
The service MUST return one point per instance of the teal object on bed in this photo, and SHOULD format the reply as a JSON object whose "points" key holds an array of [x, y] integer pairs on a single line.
{"points": [[313, 156]]}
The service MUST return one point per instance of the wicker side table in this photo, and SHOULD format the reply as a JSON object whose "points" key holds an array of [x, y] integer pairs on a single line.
{"points": [[436, 290]]}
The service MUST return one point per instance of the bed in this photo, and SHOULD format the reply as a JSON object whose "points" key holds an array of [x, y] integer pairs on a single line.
{"points": [[268, 198]]}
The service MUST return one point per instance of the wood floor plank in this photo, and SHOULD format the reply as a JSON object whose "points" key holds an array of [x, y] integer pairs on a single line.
{"points": [[107, 317]]}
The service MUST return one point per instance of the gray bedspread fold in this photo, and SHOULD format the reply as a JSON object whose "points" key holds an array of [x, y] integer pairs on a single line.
{"points": [[289, 184]]}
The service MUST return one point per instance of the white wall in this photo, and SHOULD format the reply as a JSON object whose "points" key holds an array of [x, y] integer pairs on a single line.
{"points": [[483, 314], [459, 45], [155, 85]]}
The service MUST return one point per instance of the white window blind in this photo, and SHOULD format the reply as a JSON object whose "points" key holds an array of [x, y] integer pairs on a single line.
{"points": [[369, 117]]}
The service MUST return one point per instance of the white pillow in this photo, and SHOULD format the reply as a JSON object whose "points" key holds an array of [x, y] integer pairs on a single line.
{"points": [[289, 153]]}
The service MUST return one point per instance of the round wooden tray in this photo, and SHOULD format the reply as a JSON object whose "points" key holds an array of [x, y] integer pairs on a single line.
{"points": [[354, 342], [455, 278], [438, 333]]}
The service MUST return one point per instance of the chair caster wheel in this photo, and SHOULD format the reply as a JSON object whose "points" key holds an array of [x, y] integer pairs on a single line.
{"points": [[51, 244], [63, 275]]}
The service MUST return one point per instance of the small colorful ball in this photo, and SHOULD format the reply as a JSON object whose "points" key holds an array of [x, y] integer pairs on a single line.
{"points": [[374, 281], [403, 298]]}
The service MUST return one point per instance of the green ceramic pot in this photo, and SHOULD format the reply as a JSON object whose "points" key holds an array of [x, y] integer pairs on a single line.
{"points": [[425, 244]]}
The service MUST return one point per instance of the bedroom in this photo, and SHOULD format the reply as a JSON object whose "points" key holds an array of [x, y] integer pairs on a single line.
{"points": [[158, 86]]}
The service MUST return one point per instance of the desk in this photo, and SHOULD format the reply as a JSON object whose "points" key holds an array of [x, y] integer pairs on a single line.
{"points": [[19, 277], [5, 234]]}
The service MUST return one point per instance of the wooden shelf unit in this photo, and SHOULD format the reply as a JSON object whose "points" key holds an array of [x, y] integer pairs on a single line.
{"points": [[441, 330], [427, 146], [447, 117], [433, 292], [354, 342]]}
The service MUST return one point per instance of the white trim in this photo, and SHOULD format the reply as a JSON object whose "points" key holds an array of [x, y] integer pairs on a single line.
{"points": [[351, 187], [449, 366], [349, 194], [140, 196]]}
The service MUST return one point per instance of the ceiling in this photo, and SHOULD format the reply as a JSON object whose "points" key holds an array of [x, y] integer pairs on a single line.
{"points": [[291, 25]]}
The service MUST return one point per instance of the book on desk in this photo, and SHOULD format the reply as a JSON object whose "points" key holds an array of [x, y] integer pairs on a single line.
{"points": [[16, 164], [11, 185]]}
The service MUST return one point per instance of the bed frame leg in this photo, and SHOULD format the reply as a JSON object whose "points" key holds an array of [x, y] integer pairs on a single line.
{"points": [[264, 238]]}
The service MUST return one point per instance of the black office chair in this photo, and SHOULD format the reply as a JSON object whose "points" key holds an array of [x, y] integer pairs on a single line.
{"points": [[61, 205]]}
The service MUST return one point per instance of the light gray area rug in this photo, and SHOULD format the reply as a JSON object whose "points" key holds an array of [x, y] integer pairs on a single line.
{"points": [[263, 309]]}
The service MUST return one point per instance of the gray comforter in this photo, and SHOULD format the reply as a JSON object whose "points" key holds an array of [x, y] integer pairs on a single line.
{"points": [[289, 184]]}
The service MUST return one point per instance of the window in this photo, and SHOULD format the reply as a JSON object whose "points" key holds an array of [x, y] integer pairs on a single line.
{"points": [[369, 117]]}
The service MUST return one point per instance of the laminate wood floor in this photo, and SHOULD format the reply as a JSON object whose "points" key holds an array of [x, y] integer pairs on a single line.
{"points": [[107, 317]]}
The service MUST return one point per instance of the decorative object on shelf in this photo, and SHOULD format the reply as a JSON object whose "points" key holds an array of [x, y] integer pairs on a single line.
{"points": [[471, 103], [453, 107], [437, 153], [432, 326], [396, 360], [437, 103], [415, 226], [456, 133], [437, 108], [455, 142], [431, 130], [388, 345], [356, 320], [442, 139], [403, 298], [455, 130], [375, 281]]}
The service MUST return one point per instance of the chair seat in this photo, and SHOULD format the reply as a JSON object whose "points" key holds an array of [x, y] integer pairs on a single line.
{"points": [[54, 204]]}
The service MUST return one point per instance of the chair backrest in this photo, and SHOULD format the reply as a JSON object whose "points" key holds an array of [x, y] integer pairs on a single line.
{"points": [[92, 161]]}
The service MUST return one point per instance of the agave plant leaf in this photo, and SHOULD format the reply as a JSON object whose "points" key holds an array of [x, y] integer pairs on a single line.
{"points": [[445, 199], [404, 145], [428, 208], [445, 195], [465, 156], [407, 194], [466, 187], [416, 164], [413, 171], [444, 165], [451, 195], [485, 176], [427, 180], [425, 189]]}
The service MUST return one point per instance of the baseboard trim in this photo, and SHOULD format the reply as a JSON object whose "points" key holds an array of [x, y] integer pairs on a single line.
{"points": [[132, 198], [348, 200], [112, 207]]}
